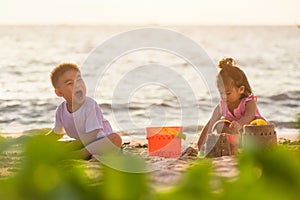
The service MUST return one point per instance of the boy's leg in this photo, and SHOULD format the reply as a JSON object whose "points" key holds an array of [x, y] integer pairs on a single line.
{"points": [[81, 154]]}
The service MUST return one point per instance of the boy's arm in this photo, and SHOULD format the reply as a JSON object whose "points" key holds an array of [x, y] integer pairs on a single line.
{"points": [[90, 136], [84, 140], [54, 135]]}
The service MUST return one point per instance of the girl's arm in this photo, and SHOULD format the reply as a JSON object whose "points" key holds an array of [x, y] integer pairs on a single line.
{"points": [[250, 109], [207, 128]]}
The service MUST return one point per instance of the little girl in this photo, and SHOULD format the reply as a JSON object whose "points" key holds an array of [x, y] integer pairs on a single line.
{"points": [[237, 103]]}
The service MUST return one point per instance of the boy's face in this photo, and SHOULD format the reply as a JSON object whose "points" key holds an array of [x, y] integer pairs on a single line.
{"points": [[72, 88]]}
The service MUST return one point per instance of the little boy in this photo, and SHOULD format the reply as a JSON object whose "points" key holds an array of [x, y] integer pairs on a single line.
{"points": [[79, 116]]}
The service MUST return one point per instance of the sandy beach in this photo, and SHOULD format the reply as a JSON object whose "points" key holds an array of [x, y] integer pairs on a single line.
{"points": [[167, 171], [170, 170]]}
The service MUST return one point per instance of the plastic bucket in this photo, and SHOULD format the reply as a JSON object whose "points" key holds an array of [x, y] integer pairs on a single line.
{"points": [[162, 141]]}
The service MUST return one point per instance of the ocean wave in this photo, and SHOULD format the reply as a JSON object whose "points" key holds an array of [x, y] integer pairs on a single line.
{"points": [[164, 104], [105, 106], [290, 95], [289, 124]]}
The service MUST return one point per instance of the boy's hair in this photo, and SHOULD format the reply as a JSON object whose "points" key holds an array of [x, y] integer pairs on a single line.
{"points": [[59, 70], [231, 74]]}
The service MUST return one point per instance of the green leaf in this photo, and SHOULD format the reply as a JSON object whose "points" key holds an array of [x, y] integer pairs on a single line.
{"points": [[181, 135]]}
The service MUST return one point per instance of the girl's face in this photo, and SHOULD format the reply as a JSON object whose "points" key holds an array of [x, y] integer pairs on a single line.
{"points": [[72, 88], [231, 94]]}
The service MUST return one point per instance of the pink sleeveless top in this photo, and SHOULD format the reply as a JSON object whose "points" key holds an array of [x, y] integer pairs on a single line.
{"points": [[239, 111]]}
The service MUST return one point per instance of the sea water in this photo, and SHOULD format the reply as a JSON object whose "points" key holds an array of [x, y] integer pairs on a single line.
{"points": [[269, 55]]}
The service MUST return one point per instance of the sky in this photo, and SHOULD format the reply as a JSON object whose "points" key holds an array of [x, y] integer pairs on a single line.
{"points": [[164, 12]]}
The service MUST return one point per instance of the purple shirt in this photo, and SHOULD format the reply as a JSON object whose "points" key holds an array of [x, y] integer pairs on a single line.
{"points": [[86, 119]]}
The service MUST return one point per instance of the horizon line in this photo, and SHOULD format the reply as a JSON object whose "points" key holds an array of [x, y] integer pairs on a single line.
{"points": [[140, 24]]}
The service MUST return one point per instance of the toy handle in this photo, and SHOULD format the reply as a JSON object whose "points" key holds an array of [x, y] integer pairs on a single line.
{"points": [[217, 122]]}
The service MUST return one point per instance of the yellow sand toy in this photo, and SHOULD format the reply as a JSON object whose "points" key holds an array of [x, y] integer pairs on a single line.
{"points": [[258, 122]]}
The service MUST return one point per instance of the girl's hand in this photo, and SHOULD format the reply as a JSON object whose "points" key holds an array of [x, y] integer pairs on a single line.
{"points": [[235, 125]]}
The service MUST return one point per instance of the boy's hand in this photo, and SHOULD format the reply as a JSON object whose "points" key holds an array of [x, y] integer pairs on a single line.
{"points": [[53, 135], [235, 125]]}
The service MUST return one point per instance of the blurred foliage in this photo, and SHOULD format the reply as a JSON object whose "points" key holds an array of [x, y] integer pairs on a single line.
{"points": [[33, 132], [48, 172]]}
